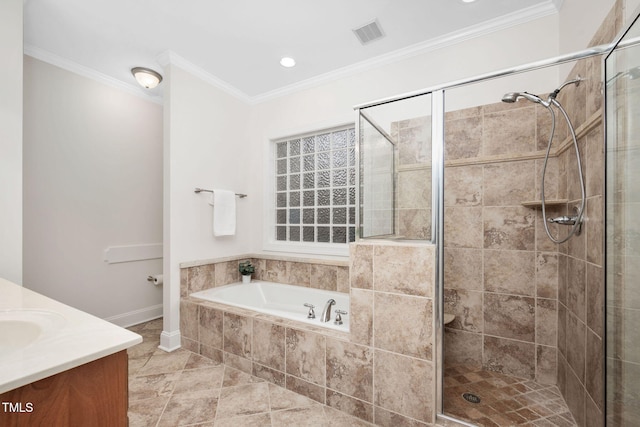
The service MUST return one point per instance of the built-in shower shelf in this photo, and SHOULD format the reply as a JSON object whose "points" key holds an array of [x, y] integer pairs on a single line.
{"points": [[538, 203]]}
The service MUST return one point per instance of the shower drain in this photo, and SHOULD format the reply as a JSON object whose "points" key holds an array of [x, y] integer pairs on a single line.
{"points": [[470, 397]]}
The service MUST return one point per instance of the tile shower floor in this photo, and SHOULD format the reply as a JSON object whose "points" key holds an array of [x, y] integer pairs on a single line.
{"points": [[185, 389], [505, 400]]}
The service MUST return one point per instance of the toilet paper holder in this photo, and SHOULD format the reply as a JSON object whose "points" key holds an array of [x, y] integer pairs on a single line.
{"points": [[156, 280]]}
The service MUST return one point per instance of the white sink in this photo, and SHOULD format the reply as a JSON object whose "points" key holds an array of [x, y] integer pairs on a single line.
{"points": [[20, 328]]}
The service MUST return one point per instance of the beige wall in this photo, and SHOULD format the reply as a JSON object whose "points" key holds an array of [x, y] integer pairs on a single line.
{"points": [[92, 180], [11, 140]]}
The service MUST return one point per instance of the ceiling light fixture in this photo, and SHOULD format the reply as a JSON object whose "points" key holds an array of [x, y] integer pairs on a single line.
{"points": [[288, 62], [468, 1], [146, 77]]}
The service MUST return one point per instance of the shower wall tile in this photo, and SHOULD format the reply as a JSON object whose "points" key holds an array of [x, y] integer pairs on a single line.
{"points": [[361, 266], [463, 227], [467, 307], [462, 348], [509, 357], [595, 299], [575, 397], [546, 322], [562, 278], [268, 344], [509, 132], [511, 272], [306, 356], [509, 184], [414, 189], [562, 329], [414, 142], [594, 159], [543, 127], [464, 138], [542, 241], [463, 269], [350, 369], [508, 228], [576, 287], [415, 223], [547, 275], [463, 186], [509, 316], [404, 269], [594, 230], [552, 184], [594, 383], [546, 364], [403, 385], [403, 324], [576, 345]]}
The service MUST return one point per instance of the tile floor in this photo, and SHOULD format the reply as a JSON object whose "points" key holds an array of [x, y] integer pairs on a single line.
{"points": [[185, 389], [505, 401]]}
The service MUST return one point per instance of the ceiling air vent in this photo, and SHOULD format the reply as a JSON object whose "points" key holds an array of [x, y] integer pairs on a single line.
{"points": [[369, 32]]}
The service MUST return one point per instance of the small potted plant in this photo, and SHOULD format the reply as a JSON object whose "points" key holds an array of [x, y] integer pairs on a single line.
{"points": [[246, 269]]}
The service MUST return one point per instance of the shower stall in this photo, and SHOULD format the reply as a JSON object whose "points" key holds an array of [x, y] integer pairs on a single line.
{"points": [[510, 190]]}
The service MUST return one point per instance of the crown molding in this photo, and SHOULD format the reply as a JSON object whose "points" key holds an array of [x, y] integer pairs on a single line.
{"points": [[74, 67], [513, 19], [170, 57]]}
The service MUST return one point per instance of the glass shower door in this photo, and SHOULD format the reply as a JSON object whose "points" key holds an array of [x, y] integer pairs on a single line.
{"points": [[622, 93]]}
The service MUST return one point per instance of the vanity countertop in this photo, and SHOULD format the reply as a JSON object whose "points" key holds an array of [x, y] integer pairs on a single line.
{"points": [[40, 337]]}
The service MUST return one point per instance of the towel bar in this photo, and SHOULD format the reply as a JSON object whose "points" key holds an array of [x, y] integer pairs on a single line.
{"points": [[198, 190]]}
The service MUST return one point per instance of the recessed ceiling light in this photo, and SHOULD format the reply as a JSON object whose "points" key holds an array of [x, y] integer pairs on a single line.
{"points": [[287, 62], [468, 1]]}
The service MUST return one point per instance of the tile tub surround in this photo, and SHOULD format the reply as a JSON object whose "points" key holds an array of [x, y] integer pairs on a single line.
{"points": [[185, 388], [329, 274], [382, 372]]}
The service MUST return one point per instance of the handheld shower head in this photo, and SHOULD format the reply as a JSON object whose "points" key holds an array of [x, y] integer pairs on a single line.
{"points": [[513, 97]]}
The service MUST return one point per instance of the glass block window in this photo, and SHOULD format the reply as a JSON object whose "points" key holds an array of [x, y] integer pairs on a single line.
{"points": [[315, 182]]}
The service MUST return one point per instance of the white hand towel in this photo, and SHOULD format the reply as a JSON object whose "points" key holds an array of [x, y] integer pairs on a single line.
{"points": [[224, 213]]}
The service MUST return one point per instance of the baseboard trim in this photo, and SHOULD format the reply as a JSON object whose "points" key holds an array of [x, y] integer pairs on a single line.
{"points": [[169, 341], [137, 316]]}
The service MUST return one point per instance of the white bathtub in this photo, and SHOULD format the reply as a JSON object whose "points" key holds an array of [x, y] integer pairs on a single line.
{"points": [[280, 300]]}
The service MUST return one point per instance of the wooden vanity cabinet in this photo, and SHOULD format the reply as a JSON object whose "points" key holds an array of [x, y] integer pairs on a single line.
{"points": [[93, 394]]}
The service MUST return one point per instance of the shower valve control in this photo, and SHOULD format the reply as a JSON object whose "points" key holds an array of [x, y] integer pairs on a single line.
{"points": [[564, 220], [339, 314], [311, 314]]}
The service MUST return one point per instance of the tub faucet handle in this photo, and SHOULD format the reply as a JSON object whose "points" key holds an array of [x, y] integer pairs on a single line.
{"points": [[339, 314], [311, 314]]}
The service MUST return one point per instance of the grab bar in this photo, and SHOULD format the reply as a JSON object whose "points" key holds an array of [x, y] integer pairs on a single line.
{"points": [[198, 190]]}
